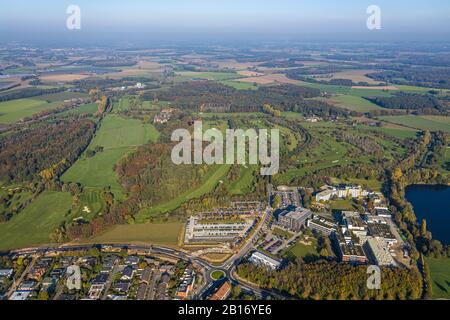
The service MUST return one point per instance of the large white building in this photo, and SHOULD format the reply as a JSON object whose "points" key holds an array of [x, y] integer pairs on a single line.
{"points": [[198, 231], [341, 192], [262, 259], [378, 250]]}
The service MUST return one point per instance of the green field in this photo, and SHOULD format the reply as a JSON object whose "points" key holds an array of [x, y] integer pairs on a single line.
{"points": [[362, 92], [372, 184], [61, 96], [14, 110], [36, 222], [355, 103], [89, 108], [303, 250], [245, 183], [156, 233], [214, 177], [440, 275], [393, 132], [218, 76], [118, 136], [206, 115], [90, 204], [420, 122], [240, 85]]}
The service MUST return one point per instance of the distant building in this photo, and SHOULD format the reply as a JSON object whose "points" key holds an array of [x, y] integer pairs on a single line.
{"points": [[349, 249], [322, 225], [382, 231], [261, 259], [29, 285], [325, 195], [6, 273], [95, 291], [20, 295], [132, 260], [294, 219], [142, 291], [383, 212], [127, 273], [199, 231], [341, 192], [223, 292], [122, 286], [187, 284], [378, 251]]}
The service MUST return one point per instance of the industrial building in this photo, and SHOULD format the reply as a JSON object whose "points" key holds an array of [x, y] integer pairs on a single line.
{"points": [[378, 251], [204, 232], [322, 225], [294, 219]]}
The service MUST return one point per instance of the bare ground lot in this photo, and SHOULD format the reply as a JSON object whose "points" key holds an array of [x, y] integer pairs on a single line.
{"points": [[64, 77], [376, 87], [247, 73]]}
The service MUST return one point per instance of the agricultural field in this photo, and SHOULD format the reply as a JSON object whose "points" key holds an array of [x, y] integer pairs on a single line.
{"points": [[354, 75], [218, 76], [117, 136], [61, 96], [440, 275], [89, 108], [420, 122], [393, 130], [354, 103], [36, 222], [15, 110], [156, 233], [240, 85]]}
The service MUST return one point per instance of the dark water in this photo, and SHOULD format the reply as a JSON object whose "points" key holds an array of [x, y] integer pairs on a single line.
{"points": [[433, 204]]}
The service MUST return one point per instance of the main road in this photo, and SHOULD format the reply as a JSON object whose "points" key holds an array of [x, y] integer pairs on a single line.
{"points": [[228, 267]]}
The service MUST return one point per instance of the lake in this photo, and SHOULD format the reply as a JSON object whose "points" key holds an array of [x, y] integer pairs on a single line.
{"points": [[433, 204]]}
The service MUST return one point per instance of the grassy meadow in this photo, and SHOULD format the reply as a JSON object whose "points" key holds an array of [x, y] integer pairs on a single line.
{"points": [[118, 136], [36, 222]]}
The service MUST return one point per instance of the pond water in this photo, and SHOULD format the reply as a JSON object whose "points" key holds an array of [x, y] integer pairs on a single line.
{"points": [[433, 204]]}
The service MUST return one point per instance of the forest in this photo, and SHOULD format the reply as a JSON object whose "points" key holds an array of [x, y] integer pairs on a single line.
{"points": [[427, 104], [45, 150], [334, 281]]}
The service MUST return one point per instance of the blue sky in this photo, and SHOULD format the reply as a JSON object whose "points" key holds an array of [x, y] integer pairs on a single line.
{"points": [[264, 16]]}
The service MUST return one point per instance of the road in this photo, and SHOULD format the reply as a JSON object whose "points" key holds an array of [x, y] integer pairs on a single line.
{"points": [[22, 276], [228, 267]]}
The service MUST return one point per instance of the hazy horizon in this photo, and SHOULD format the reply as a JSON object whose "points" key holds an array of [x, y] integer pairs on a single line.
{"points": [[171, 19]]}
